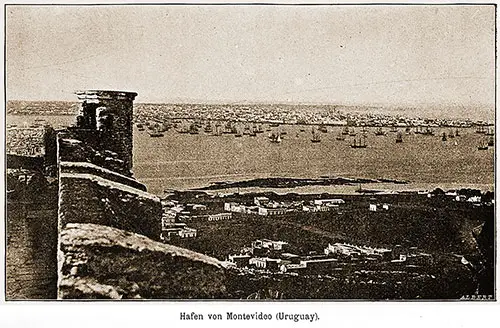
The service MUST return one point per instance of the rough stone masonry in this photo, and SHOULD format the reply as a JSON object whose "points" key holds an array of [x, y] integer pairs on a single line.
{"points": [[108, 223]]}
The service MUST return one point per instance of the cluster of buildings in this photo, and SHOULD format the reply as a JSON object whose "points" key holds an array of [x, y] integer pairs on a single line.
{"points": [[378, 207], [177, 215], [31, 148], [290, 114], [258, 113], [25, 141], [375, 119], [273, 256], [171, 225], [475, 198], [263, 113], [24, 107], [266, 207]]}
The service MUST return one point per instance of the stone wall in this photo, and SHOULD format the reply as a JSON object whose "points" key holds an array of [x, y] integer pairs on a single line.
{"points": [[91, 169], [115, 108], [83, 146], [88, 198], [31, 247], [99, 262], [92, 233], [107, 222]]}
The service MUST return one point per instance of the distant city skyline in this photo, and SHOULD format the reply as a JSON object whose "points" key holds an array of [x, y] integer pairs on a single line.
{"points": [[352, 55]]}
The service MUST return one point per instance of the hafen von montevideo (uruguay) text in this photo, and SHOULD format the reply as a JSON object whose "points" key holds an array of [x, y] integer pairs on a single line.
{"points": [[257, 316]]}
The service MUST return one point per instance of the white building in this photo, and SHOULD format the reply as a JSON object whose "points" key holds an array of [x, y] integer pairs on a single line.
{"points": [[348, 249], [265, 211], [270, 244], [318, 208], [187, 233], [335, 201], [292, 267], [219, 216], [199, 207], [240, 208], [474, 199], [177, 230], [265, 263], [261, 201]]}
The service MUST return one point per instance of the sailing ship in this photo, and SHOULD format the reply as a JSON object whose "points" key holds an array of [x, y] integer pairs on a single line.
{"points": [[428, 132], [228, 128], [234, 130], [156, 127], [253, 131], [480, 129], [340, 137], [399, 137], [217, 131], [491, 141], [379, 132], [155, 133], [193, 128], [315, 136], [360, 144], [208, 128], [275, 137], [483, 146], [246, 130], [184, 130], [163, 127], [237, 132]]}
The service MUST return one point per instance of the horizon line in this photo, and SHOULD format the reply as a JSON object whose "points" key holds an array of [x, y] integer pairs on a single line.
{"points": [[243, 102]]}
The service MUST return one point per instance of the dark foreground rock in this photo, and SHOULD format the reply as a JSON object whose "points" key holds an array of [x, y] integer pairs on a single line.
{"points": [[100, 262]]}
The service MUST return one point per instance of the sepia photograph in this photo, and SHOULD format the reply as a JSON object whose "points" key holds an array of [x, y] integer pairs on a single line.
{"points": [[250, 152]]}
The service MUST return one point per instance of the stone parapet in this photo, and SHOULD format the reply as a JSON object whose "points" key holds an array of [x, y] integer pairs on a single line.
{"points": [[91, 169], [83, 146], [100, 262], [88, 198]]}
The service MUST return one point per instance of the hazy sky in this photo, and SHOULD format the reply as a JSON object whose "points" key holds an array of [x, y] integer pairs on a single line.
{"points": [[319, 54]]}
